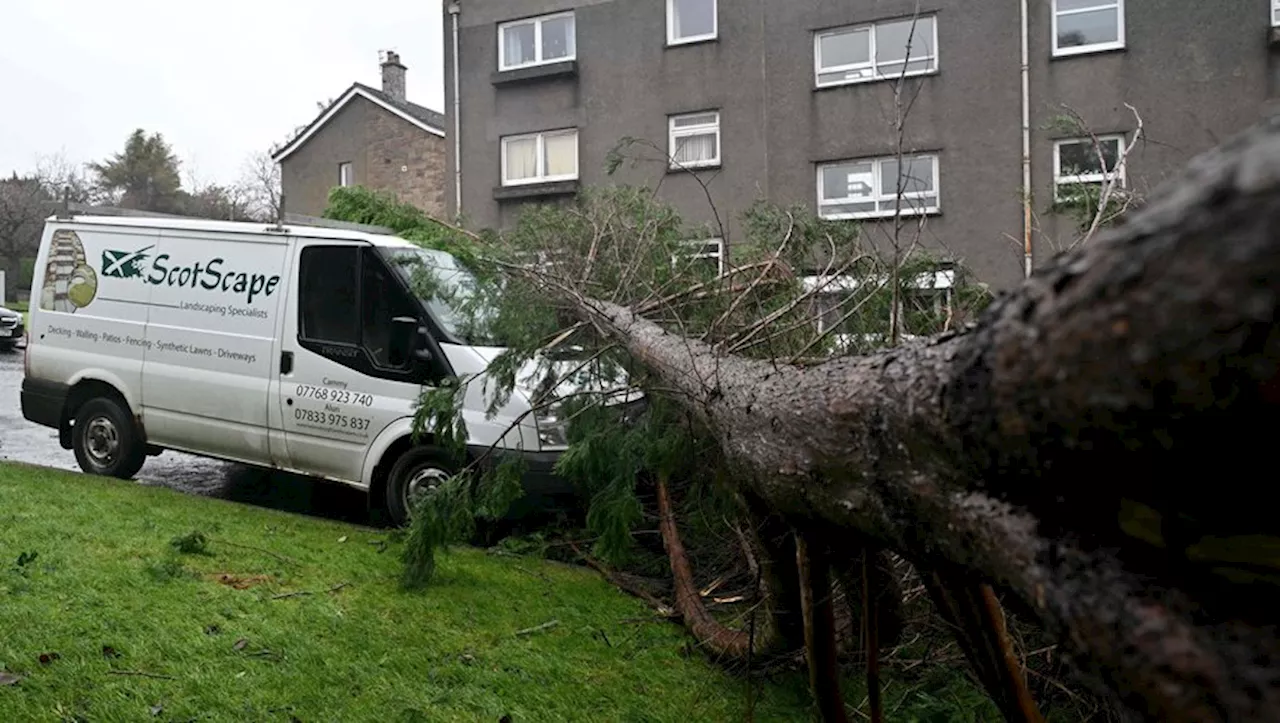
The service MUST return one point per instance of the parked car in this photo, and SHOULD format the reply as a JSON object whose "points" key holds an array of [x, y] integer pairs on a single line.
{"points": [[300, 348], [11, 329]]}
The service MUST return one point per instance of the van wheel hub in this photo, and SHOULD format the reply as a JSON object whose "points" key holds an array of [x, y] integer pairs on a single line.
{"points": [[102, 441], [423, 482]]}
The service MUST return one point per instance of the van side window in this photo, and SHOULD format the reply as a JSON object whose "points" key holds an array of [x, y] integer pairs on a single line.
{"points": [[328, 305], [381, 301]]}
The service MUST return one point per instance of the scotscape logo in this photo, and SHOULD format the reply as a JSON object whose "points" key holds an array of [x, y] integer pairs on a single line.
{"points": [[210, 275]]}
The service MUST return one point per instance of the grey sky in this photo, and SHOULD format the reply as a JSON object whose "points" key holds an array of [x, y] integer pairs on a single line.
{"points": [[219, 78]]}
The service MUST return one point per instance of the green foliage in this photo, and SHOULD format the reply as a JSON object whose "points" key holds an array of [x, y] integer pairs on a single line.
{"points": [[619, 244], [143, 176], [439, 519], [358, 204], [192, 543], [1081, 203]]}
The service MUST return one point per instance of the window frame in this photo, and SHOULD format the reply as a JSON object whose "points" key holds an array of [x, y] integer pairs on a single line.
{"points": [[673, 133], [362, 360], [1275, 13], [877, 196], [1117, 44], [540, 136], [345, 174], [876, 76], [701, 243], [715, 25], [1119, 172], [537, 21]]}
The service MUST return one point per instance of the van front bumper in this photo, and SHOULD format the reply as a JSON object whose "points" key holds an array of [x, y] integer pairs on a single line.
{"points": [[539, 474], [544, 490], [43, 402]]}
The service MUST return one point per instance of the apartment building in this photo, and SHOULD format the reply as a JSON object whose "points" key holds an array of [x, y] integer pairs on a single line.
{"points": [[810, 102]]}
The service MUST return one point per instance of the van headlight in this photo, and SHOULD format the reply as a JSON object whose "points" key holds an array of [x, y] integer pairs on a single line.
{"points": [[552, 425]]}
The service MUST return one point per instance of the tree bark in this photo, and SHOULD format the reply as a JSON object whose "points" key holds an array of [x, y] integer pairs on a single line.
{"points": [[819, 630], [720, 640], [1139, 373]]}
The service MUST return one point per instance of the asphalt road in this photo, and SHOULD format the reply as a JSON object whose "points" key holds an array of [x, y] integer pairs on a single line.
{"points": [[22, 441]]}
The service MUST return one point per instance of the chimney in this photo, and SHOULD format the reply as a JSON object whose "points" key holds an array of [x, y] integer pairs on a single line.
{"points": [[393, 76]]}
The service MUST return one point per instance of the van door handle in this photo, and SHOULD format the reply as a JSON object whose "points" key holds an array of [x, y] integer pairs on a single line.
{"points": [[286, 362]]}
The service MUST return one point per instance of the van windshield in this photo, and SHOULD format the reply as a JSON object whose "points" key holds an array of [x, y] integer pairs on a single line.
{"points": [[448, 291]]}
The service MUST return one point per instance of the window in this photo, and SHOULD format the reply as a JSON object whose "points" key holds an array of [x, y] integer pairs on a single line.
{"points": [[1087, 26], [344, 174], [689, 21], [868, 188], [704, 252], [1077, 162], [693, 140], [1275, 13], [548, 39], [328, 307], [876, 52], [540, 157], [380, 302]]}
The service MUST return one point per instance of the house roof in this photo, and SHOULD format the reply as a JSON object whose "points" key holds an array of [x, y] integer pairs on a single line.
{"points": [[420, 116]]}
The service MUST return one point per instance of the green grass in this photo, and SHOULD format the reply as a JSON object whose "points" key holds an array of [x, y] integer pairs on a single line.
{"points": [[87, 565]]}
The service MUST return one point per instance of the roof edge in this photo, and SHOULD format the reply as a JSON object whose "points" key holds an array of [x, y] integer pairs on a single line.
{"points": [[354, 90]]}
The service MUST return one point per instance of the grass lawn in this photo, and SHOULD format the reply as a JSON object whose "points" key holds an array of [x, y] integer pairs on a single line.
{"points": [[101, 619]]}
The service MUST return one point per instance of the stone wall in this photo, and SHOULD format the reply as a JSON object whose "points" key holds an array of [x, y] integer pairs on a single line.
{"points": [[405, 160]]}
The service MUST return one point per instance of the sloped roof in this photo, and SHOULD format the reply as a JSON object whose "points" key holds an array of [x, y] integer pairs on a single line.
{"points": [[420, 116]]}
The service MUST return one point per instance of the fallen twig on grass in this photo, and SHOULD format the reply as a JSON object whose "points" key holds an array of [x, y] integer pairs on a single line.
{"points": [[538, 628], [623, 585], [276, 555], [141, 674], [284, 595]]}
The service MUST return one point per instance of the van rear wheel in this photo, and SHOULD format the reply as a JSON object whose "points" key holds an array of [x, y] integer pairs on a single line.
{"points": [[418, 472], [106, 441]]}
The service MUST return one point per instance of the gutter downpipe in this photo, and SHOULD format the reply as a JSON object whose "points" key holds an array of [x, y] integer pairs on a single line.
{"points": [[454, 9], [1026, 144]]}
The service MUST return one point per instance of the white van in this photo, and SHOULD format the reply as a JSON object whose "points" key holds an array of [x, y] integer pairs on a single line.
{"points": [[300, 348]]}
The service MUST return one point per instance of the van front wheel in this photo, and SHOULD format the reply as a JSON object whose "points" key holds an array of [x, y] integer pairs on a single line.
{"points": [[418, 472], [106, 441]]}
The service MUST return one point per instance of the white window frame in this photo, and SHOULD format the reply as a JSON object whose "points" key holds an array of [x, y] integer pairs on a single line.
{"points": [[671, 26], [344, 174], [1059, 180], [541, 137], [674, 133], [700, 244], [537, 41], [819, 71], [908, 208], [1275, 13], [1095, 47]]}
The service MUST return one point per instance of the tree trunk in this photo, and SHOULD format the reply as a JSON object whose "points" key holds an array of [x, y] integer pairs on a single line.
{"points": [[1115, 406]]}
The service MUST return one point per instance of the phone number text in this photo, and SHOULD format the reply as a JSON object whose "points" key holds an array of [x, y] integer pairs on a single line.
{"points": [[337, 396], [329, 419]]}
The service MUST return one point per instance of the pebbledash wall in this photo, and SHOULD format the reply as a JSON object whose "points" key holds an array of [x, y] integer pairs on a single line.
{"points": [[1196, 71]]}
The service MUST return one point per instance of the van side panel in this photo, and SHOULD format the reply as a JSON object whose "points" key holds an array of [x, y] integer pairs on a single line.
{"points": [[88, 317], [210, 340]]}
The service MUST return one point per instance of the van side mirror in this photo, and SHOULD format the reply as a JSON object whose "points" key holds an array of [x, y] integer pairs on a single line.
{"points": [[407, 338]]}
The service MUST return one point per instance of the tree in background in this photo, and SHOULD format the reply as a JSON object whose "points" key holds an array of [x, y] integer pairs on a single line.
{"points": [[259, 184], [144, 176], [23, 205]]}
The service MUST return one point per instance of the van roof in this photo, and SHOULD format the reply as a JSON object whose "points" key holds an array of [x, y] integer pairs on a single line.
{"points": [[243, 227]]}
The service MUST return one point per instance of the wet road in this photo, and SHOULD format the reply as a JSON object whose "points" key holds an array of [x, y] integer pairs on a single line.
{"points": [[22, 441]]}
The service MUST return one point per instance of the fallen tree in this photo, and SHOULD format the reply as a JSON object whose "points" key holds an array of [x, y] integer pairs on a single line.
{"points": [[1137, 378]]}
